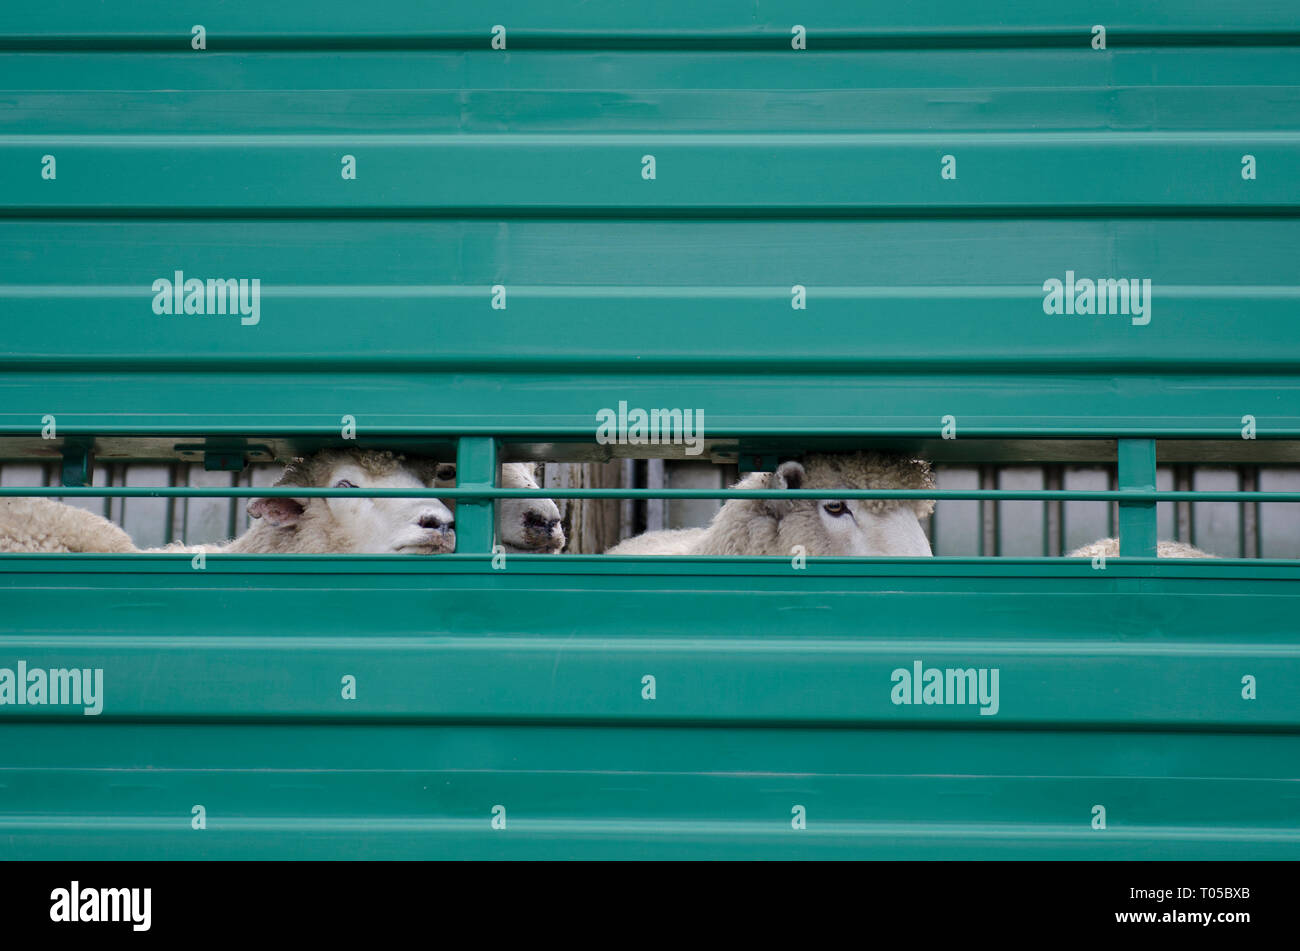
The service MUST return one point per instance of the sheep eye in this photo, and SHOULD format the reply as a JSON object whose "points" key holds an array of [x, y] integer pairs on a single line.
{"points": [[344, 484], [835, 508]]}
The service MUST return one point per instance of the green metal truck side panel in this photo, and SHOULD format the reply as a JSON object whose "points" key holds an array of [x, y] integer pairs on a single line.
{"points": [[388, 707], [915, 320], [773, 689], [769, 645]]}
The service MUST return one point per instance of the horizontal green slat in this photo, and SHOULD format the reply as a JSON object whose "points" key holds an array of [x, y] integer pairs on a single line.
{"points": [[991, 573], [776, 403], [1061, 75], [603, 173], [156, 20], [1216, 285], [656, 749], [1223, 292], [504, 678], [449, 327], [1190, 89], [783, 645], [704, 792], [1226, 256], [89, 838], [457, 799]]}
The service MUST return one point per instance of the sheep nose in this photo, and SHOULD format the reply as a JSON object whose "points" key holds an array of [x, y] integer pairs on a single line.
{"points": [[435, 521]]}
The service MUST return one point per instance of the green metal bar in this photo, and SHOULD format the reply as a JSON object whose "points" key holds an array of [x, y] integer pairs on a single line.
{"points": [[1137, 518], [470, 173], [476, 474], [1259, 524], [78, 461], [1110, 509], [918, 308], [746, 566], [479, 491], [169, 513], [1238, 471], [1054, 482], [583, 432], [399, 24], [987, 476], [232, 514]]}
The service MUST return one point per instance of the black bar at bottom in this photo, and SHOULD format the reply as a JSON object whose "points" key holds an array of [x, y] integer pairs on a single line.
{"points": [[660, 901]]}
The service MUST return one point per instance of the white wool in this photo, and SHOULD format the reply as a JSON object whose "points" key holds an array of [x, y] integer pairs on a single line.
{"points": [[281, 525], [1164, 549], [44, 525], [827, 526]]}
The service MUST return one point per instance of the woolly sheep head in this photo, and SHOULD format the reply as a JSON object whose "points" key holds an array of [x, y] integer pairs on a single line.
{"points": [[523, 526], [360, 525], [832, 526]]}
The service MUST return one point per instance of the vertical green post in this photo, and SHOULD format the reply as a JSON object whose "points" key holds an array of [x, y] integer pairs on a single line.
{"points": [[476, 467], [1137, 520], [78, 461]]}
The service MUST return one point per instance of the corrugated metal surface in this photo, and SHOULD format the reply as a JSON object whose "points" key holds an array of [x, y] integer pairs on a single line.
{"points": [[1165, 694], [485, 689]]}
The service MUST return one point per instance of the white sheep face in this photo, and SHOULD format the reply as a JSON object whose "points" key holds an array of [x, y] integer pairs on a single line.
{"points": [[355, 526], [850, 528], [825, 525], [527, 525], [385, 526], [523, 526], [831, 526]]}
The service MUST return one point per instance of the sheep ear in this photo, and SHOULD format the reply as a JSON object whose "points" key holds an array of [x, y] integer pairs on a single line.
{"points": [[788, 475], [279, 511]]}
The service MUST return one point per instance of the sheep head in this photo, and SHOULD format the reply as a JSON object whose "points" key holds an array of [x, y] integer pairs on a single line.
{"points": [[523, 526], [354, 525], [832, 526]]}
